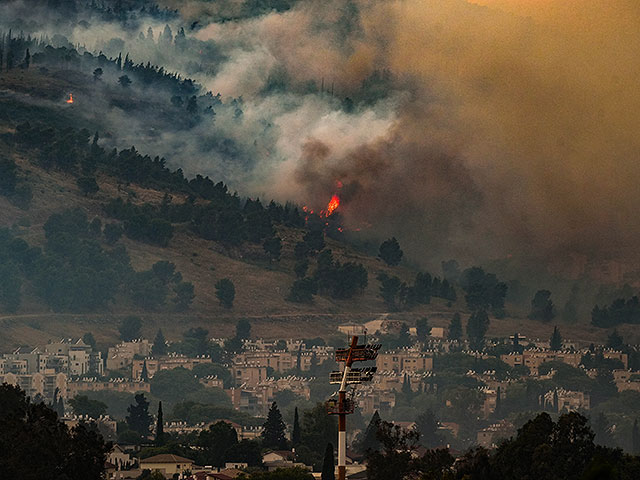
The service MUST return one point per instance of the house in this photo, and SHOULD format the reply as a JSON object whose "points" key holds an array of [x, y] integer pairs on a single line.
{"points": [[167, 463], [278, 456], [119, 457]]}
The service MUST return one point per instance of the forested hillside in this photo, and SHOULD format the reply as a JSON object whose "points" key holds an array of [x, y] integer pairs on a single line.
{"points": [[118, 193]]}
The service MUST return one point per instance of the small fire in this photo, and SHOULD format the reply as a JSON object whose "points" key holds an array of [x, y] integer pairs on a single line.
{"points": [[333, 204], [70, 99]]}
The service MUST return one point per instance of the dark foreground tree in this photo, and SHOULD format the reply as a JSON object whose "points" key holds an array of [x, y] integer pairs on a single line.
{"points": [[274, 428], [35, 445], [139, 419], [328, 466]]}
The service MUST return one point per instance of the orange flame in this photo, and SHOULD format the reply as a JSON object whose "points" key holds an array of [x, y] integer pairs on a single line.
{"points": [[70, 99], [333, 204]]}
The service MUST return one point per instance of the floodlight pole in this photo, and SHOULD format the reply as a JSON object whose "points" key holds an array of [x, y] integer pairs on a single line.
{"points": [[342, 414]]}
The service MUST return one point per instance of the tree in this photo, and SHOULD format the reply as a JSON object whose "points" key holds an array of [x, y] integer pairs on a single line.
{"points": [[8, 176], [84, 406], [196, 341], [160, 426], [89, 340], [427, 425], [395, 459], [130, 328], [422, 329], [483, 290], [370, 440], [302, 291], [273, 429], [159, 344], [391, 291], [112, 233], [455, 328], [95, 227], [216, 442], [602, 431], [243, 329], [615, 340], [27, 59], [477, 327], [295, 473], [555, 343], [542, 307], [34, 444], [139, 419], [184, 295], [390, 252], [225, 292], [635, 438], [192, 105], [273, 247], [318, 428], [295, 434], [301, 267], [328, 465], [124, 81], [97, 74], [423, 288], [87, 185]]}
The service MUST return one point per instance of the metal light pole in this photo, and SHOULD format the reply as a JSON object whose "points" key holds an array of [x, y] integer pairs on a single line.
{"points": [[349, 376]]}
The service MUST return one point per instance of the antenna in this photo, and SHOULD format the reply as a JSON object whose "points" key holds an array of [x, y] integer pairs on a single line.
{"points": [[344, 406]]}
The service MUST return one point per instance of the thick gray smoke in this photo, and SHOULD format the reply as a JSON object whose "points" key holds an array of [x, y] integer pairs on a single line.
{"points": [[492, 131]]}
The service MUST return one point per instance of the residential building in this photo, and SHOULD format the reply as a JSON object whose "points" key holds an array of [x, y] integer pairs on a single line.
{"points": [[405, 360], [165, 362], [167, 464]]}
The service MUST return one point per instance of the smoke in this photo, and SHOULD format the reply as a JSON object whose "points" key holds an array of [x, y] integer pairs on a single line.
{"points": [[514, 133], [477, 130]]}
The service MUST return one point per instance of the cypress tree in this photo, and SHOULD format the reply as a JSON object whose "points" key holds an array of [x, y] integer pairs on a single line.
{"points": [[274, 428], [160, 426], [556, 340], [159, 344], [295, 435], [406, 386], [455, 328], [328, 465], [144, 375]]}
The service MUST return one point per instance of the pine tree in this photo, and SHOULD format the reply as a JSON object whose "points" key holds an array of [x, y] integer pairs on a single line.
{"points": [[274, 428], [139, 418], [455, 328], [370, 440], [159, 344], [295, 434], [556, 340], [328, 465], [160, 426], [497, 411], [27, 59], [635, 439]]}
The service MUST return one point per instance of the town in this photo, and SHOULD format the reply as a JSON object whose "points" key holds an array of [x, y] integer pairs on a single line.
{"points": [[231, 405]]}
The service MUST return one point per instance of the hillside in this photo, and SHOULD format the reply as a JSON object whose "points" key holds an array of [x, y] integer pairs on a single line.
{"points": [[39, 96]]}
